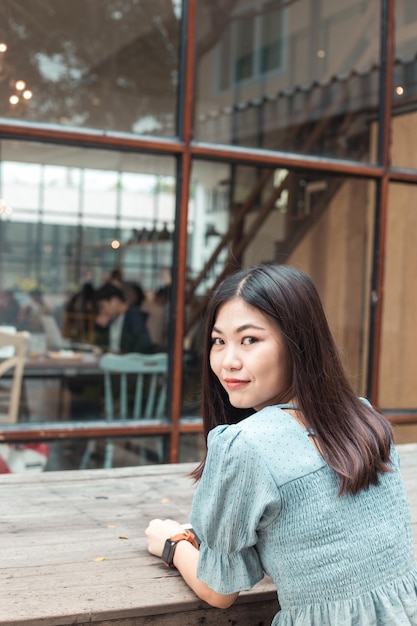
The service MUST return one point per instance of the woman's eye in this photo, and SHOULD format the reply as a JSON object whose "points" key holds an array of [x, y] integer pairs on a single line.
{"points": [[216, 341], [249, 340]]}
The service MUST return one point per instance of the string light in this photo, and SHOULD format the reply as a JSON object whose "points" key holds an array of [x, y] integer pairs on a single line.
{"points": [[22, 93]]}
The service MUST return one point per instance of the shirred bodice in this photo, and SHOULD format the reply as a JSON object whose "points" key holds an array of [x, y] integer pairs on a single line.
{"points": [[267, 502]]}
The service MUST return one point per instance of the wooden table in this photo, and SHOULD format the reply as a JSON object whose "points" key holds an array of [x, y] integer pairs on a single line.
{"points": [[82, 363], [83, 366], [73, 550]]}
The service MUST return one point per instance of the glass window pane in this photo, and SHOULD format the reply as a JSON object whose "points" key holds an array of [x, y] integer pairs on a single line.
{"points": [[191, 449], [20, 187], [405, 85], [244, 49], [397, 386], [126, 452], [100, 64], [303, 219], [61, 193], [305, 76], [69, 229], [271, 38]]}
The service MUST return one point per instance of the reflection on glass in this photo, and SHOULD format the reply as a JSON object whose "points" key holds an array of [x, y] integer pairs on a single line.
{"points": [[405, 85], [99, 64], [293, 76], [397, 388], [71, 221], [245, 215], [191, 448], [127, 452]]}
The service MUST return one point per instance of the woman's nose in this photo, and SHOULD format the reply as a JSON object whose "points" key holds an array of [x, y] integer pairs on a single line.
{"points": [[231, 360]]}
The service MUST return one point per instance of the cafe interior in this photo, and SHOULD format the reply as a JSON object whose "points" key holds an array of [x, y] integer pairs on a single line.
{"points": [[154, 146]]}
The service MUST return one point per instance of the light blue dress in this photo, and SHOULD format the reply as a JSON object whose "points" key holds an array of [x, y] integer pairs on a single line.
{"points": [[267, 502]]}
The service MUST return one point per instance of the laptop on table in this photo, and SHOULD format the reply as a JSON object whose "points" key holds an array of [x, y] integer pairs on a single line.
{"points": [[56, 341]]}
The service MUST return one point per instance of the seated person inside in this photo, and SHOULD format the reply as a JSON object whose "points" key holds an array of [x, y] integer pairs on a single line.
{"points": [[121, 326]]}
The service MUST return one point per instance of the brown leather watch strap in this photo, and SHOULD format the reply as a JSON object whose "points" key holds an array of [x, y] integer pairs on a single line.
{"points": [[187, 535]]}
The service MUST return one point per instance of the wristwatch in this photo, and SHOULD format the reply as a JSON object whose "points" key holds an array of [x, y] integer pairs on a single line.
{"points": [[171, 543]]}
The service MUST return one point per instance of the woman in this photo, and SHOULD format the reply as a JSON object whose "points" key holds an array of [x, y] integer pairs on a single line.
{"points": [[301, 480]]}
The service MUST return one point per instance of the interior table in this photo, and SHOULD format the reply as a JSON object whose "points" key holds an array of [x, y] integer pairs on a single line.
{"points": [[67, 369]]}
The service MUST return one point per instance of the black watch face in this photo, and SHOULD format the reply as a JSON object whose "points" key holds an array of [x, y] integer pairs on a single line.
{"points": [[168, 552]]}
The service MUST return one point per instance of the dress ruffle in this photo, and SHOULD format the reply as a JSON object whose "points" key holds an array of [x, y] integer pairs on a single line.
{"points": [[237, 571], [393, 604]]}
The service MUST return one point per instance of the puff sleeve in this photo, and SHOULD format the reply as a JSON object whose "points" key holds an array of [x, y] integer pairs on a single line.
{"points": [[235, 499]]}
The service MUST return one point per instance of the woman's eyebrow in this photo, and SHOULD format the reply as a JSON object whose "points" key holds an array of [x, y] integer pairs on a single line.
{"points": [[240, 329], [248, 327]]}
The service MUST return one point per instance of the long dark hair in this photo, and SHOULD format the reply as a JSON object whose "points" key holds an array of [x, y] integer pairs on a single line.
{"points": [[353, 438]]}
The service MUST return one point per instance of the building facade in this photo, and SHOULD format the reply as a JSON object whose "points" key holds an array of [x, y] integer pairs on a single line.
{"points": [[171, 142]]}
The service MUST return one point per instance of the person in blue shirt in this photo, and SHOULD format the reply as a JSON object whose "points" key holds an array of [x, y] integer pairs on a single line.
{"points": [[301, 479]]}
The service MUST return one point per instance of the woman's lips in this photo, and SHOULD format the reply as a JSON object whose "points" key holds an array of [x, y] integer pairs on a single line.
{"points": [[235, 383]]}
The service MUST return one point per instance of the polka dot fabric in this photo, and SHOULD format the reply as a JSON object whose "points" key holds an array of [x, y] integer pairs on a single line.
{"points": [[267, 503]]}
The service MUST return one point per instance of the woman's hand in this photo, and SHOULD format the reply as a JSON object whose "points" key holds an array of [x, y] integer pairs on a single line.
{"points": [[158, 532], [185, 560]]}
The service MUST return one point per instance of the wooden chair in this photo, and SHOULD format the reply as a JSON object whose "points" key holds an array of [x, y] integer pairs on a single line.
{"points": [[10, 394], [148, 376]]}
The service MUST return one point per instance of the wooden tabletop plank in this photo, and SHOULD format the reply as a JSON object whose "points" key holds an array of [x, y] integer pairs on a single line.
{"points": [[74, 552]]}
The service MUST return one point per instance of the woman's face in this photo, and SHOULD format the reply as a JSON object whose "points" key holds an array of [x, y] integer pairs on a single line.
{"points": [[248, 356]]}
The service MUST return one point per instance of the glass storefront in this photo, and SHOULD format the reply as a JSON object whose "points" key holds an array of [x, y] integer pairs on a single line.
{"points": [[299, 218], [404, 85], [71, 216], [155, 146], [289, 76], [73, 221], [397, 389], [102, 64]]}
